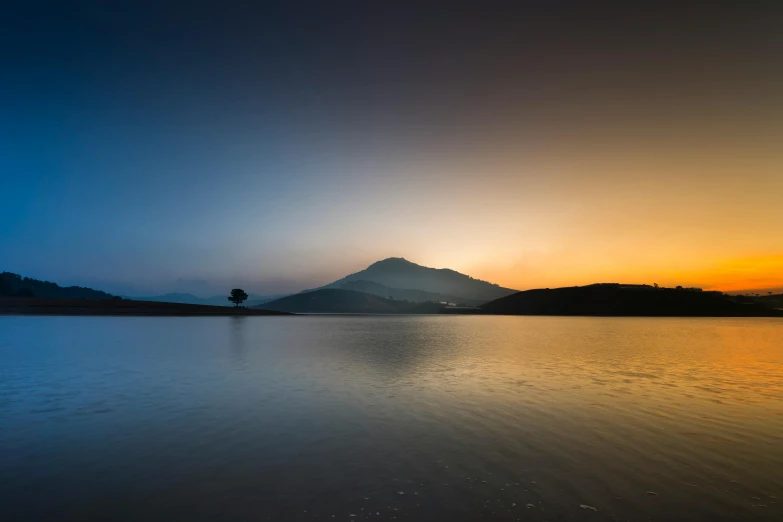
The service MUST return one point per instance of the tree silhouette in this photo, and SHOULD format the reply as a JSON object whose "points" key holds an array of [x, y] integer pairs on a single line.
{"points": [[237, 296]]}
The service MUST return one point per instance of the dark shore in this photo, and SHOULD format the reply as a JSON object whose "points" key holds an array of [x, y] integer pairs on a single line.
{"points": [[44, 306]]}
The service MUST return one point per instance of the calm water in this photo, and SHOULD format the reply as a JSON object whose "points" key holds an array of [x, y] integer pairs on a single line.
{"points": [[390, 418]]}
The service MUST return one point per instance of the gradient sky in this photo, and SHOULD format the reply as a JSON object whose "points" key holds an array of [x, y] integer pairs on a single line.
{"points": [[193, 146]]}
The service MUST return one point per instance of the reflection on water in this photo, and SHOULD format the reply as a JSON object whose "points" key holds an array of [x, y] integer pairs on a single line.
{"points": [[238, 345], [391, 418]]}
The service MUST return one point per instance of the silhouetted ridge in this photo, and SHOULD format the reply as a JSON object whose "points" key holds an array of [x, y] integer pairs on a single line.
{"points": [[15, 285], [624, 300]]}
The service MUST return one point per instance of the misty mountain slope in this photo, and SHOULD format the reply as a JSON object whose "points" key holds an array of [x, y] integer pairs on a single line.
{"points": [[399, 273], [624, 300], [402, 294], [334, 301], [174, 297]]}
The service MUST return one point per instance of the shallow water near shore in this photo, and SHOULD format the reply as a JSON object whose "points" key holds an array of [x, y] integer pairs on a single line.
{"points": [[391, 418]]}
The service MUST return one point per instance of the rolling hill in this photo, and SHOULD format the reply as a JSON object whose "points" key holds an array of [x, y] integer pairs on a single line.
{"points": [[612, 299], [13, 284]]}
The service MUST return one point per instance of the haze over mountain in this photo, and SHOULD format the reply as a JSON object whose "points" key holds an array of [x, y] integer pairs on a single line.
{"points": [[402, 277]]}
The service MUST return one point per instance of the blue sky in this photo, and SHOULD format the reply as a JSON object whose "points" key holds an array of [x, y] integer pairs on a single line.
{"points": [[144, 145]]}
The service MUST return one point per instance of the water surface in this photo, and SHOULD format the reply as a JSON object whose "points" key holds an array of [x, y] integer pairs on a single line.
{"points": [[390, 418]]}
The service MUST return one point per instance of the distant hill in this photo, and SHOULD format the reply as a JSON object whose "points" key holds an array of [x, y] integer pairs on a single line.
{"points": [[218, 300], [404, 276], [15, 285], [624, 300], [334, 301], [170, 298]]}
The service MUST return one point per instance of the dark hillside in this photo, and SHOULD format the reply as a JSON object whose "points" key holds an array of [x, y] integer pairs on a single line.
{"points": [[331, 301], [623, 300], [14, 284]]}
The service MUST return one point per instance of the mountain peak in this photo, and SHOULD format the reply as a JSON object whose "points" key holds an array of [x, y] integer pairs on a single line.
{"points": [[399, 273], [393, 261]]}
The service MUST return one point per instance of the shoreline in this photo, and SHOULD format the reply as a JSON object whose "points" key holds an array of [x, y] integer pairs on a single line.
{"points": [[121, 307]]}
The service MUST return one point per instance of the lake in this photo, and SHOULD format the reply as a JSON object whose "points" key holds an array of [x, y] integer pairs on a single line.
{"points": [[419, 418]]}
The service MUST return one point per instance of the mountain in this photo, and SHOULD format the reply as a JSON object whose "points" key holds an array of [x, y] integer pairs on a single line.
{"points": [[334, 301], [402, 275], [218, 300], [15, 285], [613, 299]]}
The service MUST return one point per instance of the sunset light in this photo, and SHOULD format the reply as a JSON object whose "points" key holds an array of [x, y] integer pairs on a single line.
{"points": [[331, 260]]}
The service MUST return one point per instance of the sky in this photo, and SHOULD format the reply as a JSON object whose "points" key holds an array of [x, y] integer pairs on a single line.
{"points": [[148, 147]]}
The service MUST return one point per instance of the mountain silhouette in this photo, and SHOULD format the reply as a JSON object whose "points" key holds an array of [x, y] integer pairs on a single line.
{"points": [[13, 284], [401, 275]]}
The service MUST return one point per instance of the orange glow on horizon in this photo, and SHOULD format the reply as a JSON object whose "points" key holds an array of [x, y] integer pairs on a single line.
{"points": [[761, 273], [701, 213]]}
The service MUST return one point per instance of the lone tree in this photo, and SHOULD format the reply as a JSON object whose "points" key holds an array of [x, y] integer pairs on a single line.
{"points": [[237, 296]]}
